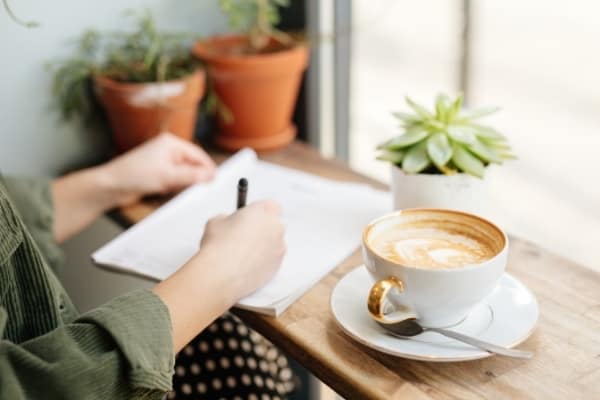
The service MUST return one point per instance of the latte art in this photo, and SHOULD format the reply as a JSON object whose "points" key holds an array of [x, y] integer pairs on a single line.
{"points": [[432, 248]]}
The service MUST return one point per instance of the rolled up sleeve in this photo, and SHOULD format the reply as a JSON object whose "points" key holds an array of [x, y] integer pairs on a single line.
{"points": [[120, 350], [33, 199]]}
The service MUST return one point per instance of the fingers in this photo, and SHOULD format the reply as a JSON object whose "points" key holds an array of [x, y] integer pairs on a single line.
{"points": [[184, 175]]}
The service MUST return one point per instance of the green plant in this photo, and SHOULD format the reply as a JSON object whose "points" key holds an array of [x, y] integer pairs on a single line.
{"points": [[142, 55], [447, 140], [257, 19]]}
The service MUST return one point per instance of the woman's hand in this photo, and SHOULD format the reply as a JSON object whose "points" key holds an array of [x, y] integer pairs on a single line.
{"points": [[238, 254], [248, 244], [161, 165]]}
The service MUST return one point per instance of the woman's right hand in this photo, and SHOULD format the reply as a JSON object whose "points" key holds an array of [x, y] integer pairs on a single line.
{"points": [[248, 244]]}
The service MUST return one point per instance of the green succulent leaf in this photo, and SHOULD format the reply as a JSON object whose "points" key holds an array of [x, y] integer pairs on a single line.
{"points": [[462, 134], [394, 157], [406, 117], [443, 107], [419, 109], [456, 105], [484, 152], [416, 159], [408, 139], [487, 132], [467, 115], [467, 162], [439, 149]]}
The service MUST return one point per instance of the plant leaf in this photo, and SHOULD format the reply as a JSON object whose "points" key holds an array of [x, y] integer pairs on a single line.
{"points": [[439, 149], [416, 159], [455, 109], [419, 109], [406, 117], [394, 157], [443, 106], [409, 138], [466, 161], [477, 113], [484, 152], [462, 134], [487, 132]]}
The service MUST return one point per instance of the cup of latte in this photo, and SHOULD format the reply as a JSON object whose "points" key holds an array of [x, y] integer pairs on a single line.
{"points": [[433, 264]]}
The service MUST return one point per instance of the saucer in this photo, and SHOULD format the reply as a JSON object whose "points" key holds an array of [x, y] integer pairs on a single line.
{"points": [[506, 317]]}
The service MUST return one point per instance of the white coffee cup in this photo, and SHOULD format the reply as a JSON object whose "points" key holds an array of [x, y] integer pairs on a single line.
{"points": [[437, 297]]}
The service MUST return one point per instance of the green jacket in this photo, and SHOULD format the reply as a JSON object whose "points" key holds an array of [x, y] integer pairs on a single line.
{"points": [[120, 350]]}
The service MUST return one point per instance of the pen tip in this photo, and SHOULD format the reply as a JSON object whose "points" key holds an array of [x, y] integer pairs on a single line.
{"points": [[243, 183]]}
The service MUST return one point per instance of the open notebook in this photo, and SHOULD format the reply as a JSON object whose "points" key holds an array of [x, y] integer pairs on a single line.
{"points": [[324, 220]]}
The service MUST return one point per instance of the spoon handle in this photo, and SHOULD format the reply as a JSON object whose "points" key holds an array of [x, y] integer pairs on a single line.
{"points": [[492, 348]]}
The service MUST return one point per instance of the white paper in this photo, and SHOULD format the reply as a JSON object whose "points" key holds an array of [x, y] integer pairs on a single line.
{"points": [[324, 220]]}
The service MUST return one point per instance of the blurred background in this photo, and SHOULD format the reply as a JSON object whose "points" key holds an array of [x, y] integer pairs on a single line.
{"points": [[537, 60]]}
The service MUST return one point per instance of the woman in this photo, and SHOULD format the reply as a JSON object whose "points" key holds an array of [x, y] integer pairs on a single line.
{"points": [[126, 348]]}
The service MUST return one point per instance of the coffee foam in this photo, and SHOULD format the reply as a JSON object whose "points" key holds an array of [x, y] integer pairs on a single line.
{"points": [[436, 241]]}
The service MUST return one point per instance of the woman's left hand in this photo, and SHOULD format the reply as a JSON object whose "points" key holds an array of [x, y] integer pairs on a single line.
{"points": [[159, 166]]}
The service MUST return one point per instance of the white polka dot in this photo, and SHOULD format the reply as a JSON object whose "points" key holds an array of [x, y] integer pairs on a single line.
{"points": [[237, 398], [251, 362], [224, 362], [246, 379], [171, 395], [285, 374], [289, 386], [230, 381], [280, 388], [255, 337], [242, 330], [180, 371], [203, 346], [233, 344], [258, 381], [217, 384], [186, 388], [282, 361], [227, 326], [265, 396], [270, 383], [188, 350], [195, 368], [210, 365], [213, 327], [238, 361], [273, 368], [252, 396], [201, 388], [260, 350], [246, 346], [276, 398], [272, 354], [263, 365], [218, 343]]}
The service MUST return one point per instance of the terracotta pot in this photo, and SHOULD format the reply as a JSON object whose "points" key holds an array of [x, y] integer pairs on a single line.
{"points": [[260, 91], [140, 111]]}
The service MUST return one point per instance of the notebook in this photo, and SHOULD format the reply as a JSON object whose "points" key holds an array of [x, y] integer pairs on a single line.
{"points": [[324, 220]]}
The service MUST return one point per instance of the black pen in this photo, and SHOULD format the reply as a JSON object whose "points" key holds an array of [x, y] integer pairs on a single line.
{"points": [[242, 191]]}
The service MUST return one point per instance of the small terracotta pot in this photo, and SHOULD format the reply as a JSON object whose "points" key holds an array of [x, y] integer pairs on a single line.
{"points": [[140, 111], [260, 91]]}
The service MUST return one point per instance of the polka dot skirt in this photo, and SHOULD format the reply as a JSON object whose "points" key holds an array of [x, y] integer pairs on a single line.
{"points": [[230, 361]]}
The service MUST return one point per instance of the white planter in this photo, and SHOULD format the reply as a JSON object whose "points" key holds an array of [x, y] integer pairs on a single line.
{"points": [[458, 192]]}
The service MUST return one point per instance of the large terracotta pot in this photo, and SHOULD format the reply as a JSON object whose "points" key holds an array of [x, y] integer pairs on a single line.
{"points": [[260, 91], [140, 111]]}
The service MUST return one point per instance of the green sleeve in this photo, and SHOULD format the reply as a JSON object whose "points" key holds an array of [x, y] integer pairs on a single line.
{"points": [[33, 199], [121, 350]]}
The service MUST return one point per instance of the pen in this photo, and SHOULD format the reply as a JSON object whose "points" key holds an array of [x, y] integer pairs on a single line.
{"points": [[242, 191]]}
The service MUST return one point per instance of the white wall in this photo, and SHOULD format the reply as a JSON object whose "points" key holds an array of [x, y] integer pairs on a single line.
{"points": [[33, 140]]}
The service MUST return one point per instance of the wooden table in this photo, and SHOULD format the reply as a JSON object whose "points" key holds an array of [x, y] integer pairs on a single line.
{"points": [[566, 341]]}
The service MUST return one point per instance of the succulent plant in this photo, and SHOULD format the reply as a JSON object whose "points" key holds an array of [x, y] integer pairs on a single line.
{"points": [[447, 140]]}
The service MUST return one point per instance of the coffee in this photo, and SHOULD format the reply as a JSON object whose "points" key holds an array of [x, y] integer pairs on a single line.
{"points": [[420, 260], [431, 243]]}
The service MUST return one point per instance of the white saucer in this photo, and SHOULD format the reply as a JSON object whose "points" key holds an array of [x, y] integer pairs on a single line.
{"points": [[506, 317]]}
